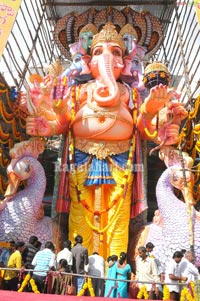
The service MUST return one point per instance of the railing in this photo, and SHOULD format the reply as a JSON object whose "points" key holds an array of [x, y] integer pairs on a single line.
{"points": [[190, 291]]}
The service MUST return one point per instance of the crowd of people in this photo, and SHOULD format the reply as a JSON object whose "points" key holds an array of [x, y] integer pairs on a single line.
{"points": [[55, 272]]}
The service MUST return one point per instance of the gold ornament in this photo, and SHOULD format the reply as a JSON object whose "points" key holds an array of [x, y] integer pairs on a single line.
{"points": [[108, 34]]}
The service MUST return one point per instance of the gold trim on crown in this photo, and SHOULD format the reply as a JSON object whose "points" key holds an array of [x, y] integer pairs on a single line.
{"points": [[108, 34]]}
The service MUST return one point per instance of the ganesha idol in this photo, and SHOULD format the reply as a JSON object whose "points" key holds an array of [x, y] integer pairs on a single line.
{"points": [[102, 131]]}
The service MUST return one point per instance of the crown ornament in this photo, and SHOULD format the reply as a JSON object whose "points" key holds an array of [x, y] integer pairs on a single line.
{"points": [[128, 29], [108, 34], [156, 73], [88, 28]]}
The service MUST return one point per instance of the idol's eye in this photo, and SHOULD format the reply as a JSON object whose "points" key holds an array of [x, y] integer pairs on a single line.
{"points": [[135, 62], [97, 51], [117, 52]]}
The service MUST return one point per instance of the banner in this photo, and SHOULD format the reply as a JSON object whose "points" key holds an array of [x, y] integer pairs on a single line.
{"points": [[8, 12]]}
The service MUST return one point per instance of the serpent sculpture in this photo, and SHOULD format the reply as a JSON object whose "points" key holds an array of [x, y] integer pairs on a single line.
{"points": [[21, 213]]}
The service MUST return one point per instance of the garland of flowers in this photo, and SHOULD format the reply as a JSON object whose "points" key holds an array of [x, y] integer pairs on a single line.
{"points": [[193, 113], [87, 285], [32, 283], [34, 286], [166, 293], [196, 132], [188, 293], [143, 293], [24, 283]]}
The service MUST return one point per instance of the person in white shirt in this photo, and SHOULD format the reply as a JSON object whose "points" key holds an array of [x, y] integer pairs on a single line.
{"points": [[190, 271], [149, 247], [147, 273], [66, 254], [174, 274], [97, 268]]}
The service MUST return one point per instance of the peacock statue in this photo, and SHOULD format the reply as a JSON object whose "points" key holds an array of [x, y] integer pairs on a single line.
{"points": [[21, 212], [176, 223]]}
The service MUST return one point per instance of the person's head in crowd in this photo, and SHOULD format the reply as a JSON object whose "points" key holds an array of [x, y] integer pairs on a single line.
{"points": [[49, 245], [20, 246], [67, 244], [114, 257], [78, 239], [12, 246], [33, 240], [149, 247], [63, 266], [177, 256], [189, 255], [142, 251], [122, 258], [109, 258]]}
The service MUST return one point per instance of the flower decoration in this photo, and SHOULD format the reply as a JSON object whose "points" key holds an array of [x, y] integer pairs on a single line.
{"points": [[34, 286], [143, 293], [87, 285], [188, 293], [166, 293], [24, 283]]}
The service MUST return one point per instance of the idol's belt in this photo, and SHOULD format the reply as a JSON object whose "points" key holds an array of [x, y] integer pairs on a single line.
{"points": [[102, 149]]}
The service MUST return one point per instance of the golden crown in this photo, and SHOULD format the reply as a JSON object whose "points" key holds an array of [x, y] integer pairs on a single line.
{"points": [[156, 66], [87, 28], [108, 34], [128, 28]]}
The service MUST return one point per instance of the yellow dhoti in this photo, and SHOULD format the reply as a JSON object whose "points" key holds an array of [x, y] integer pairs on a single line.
{"points": [[101, 213]]}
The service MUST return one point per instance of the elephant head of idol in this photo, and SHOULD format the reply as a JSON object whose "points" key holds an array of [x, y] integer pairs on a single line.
{"points": [[107, 52]]}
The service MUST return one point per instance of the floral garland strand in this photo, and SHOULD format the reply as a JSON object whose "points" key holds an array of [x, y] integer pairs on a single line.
{"points": [[24, 283], [166, 293], [143, 293], [32, 283], [87, 285], [188, 293], [34, 286]]}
